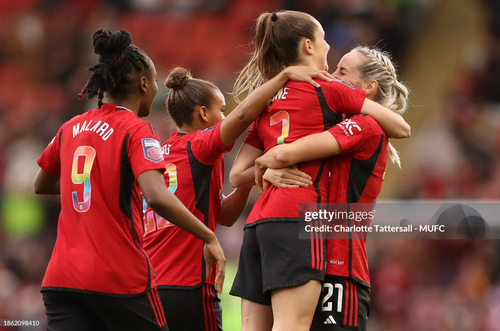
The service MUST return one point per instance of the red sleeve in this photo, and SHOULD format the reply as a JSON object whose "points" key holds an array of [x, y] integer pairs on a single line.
{"points": [[342, 97], [49, 161], [253, 139], [207, 145], [144, 150], [352, 133]]}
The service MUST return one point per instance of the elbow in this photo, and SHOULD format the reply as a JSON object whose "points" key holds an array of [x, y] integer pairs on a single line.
{"points": [[38, 188], [406, 132], [402, 133], [234, 179], [225, 223], [242, 115]]}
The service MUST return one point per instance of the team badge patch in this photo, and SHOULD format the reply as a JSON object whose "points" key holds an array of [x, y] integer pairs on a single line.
{"points": [[152, 150]]}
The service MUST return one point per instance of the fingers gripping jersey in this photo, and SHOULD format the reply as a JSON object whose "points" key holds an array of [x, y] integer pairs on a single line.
{"points": [[356, 176], [195, 174], [298, 110], [98, 156]]}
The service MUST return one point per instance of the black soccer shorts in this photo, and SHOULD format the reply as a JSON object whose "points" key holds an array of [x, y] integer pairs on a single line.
{"points": [[195, 309], [273, 257], [78, 311], [344, 305]]}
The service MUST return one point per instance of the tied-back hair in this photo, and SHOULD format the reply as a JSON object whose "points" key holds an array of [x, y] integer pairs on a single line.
{"points": [[185, 94], [117, 58], [276, 38], [391, 93]]}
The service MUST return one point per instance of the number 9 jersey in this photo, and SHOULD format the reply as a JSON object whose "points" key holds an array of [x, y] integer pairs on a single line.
{"points": [[98, 156]]}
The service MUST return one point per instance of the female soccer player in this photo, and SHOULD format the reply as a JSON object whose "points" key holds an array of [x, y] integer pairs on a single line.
{"points": [[276, 268], [99, 277], [356, 177], [194, 171]]}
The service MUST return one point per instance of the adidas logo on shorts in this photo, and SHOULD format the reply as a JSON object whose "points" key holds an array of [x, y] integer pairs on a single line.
{"points": [[330, 320]]}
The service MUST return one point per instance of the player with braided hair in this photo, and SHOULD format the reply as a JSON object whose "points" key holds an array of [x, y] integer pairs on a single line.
{"points": [[362, 150], [117, 59], [99, 276]]}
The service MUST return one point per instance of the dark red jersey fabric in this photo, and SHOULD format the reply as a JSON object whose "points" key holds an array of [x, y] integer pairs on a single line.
{"points": [[356, 177], [298, 110], [98, 156], [195, 174]]}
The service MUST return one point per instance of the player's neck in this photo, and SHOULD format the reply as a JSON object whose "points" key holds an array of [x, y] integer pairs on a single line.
{"points": [[132, 105], [188, 128]]}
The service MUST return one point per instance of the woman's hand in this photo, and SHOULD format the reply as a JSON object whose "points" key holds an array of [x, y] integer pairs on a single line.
{"points": [[282, 178], [306, 74]]}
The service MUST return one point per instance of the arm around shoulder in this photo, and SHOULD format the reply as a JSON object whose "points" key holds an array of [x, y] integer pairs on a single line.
{"points": [[392, 123]]}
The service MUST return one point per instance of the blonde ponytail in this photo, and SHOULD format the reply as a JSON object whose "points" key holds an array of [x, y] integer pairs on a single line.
{"points": [[391, 93]]}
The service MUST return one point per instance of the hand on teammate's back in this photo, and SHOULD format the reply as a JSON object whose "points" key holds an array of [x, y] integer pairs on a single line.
{"points": [[212, 251], [289, 177]]}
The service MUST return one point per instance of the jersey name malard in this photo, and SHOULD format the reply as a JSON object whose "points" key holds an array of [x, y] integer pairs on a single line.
{"points": [[103, 129]]}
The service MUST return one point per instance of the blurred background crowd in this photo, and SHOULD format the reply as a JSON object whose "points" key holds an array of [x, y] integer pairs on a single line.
{"points": [[448, 52]]}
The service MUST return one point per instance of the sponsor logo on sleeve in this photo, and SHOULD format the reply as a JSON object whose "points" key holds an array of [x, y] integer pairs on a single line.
{"points": [[152, 150], [348, 125]]}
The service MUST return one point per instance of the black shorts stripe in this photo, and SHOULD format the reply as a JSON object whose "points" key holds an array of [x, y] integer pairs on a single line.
{"points": [[207, 308], [346, 304], [155, 310], [353, 290], [160, 307], [356, 304], [212, 306]]}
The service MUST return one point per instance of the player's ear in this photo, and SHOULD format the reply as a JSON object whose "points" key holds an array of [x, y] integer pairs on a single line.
{"points": [[203, 113], [143, 85], [307, 46], [371, 87]]}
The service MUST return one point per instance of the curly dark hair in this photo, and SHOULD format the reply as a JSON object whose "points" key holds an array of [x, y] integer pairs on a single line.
{"points": [[117, 57]]}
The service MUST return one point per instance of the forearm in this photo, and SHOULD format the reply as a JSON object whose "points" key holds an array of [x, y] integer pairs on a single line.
{"points": [[242, 172], [242, 178], [168, 206], [312, 147], [392, 123], [175, 212], [250, 109], [233, 205], [253, 105]]}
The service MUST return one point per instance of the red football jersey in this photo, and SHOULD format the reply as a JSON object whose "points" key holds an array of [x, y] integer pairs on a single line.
{"points": [[98, 156], [298, 110], [195, 174], [356, 177]]}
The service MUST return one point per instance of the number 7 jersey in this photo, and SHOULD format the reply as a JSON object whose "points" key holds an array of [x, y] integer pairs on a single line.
{"points": [[98, 156], [298, 110]]}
